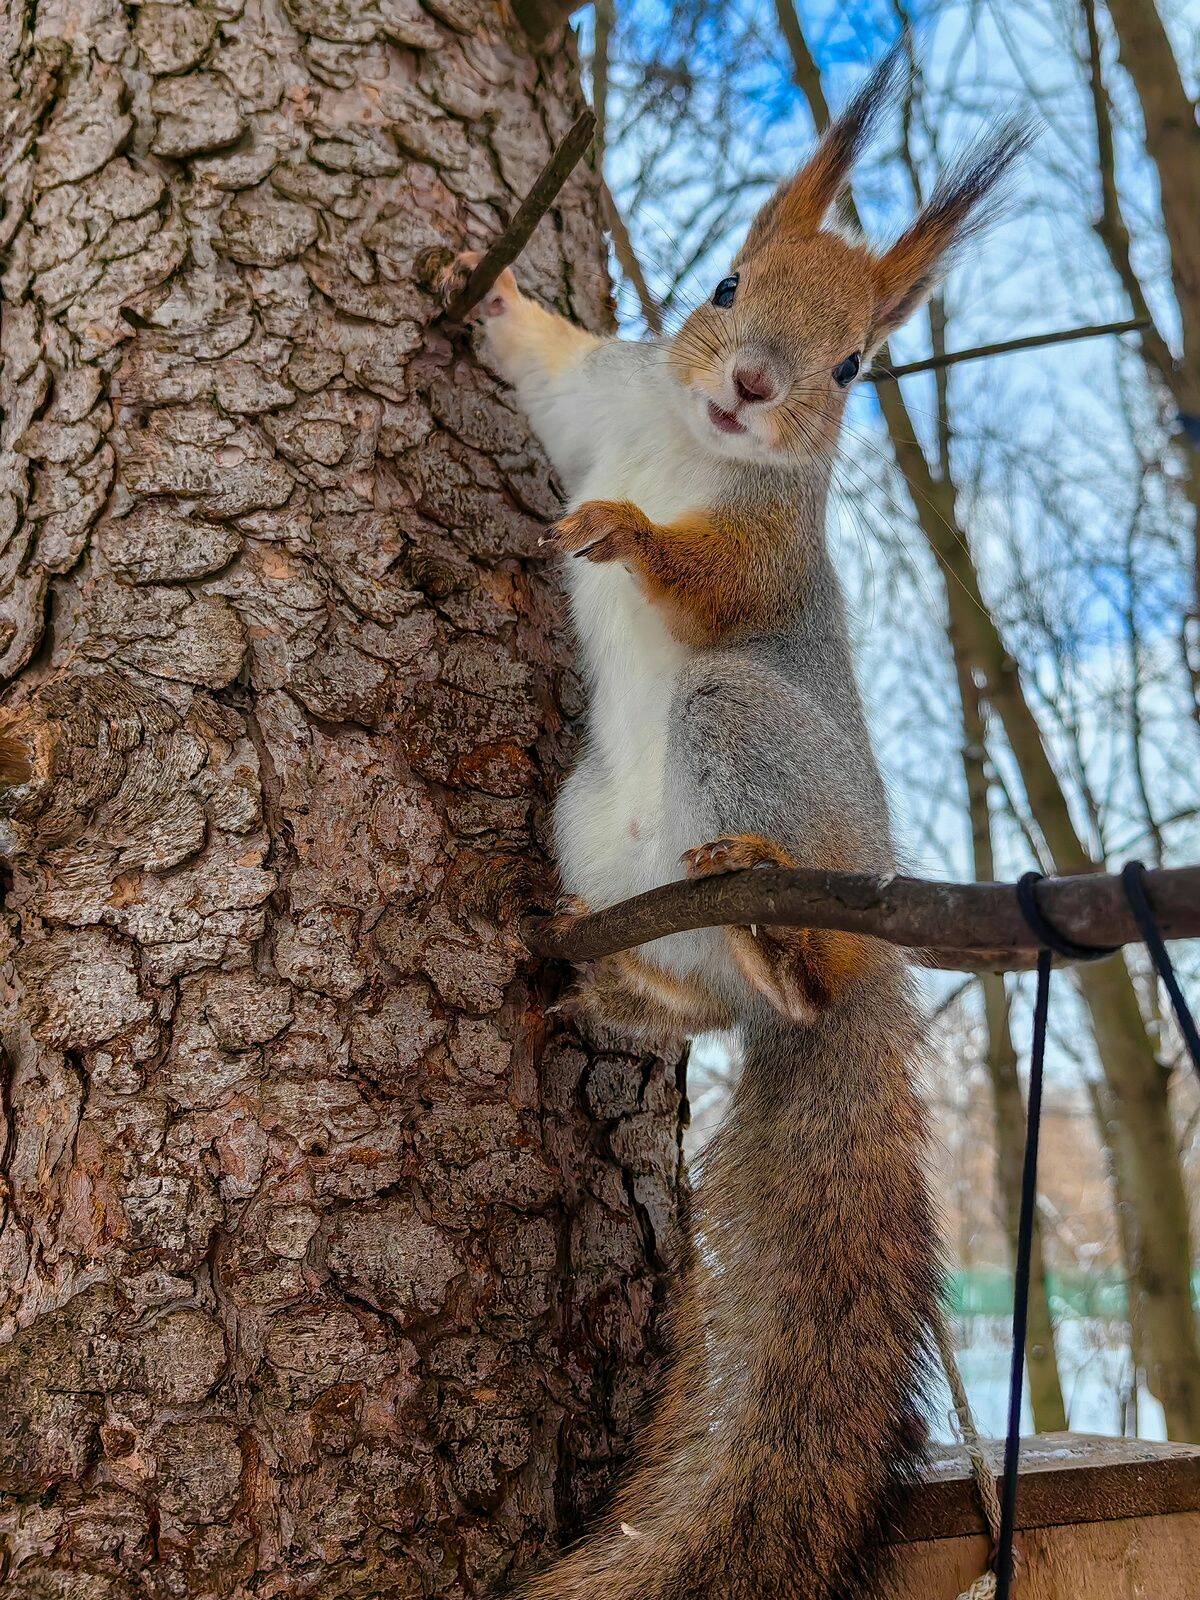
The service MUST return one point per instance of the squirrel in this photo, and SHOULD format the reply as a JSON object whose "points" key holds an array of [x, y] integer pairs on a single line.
{"points": [[724, 731]]}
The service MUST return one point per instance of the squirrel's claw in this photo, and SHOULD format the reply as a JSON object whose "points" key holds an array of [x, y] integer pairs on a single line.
{"points": [[599, 550], [452, 279], [568, 909], [734, 855], [597, 531]]}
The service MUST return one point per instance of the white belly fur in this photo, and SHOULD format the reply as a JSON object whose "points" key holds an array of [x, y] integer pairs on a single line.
{"points": [[615, 835]]}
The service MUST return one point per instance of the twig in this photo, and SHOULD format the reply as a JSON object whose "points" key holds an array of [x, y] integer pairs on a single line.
{"points": [[505, 249], [963, 926], [1033, 341]]}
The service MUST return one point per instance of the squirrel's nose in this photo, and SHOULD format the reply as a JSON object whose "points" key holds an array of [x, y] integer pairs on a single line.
{"points": [[754, 385]]}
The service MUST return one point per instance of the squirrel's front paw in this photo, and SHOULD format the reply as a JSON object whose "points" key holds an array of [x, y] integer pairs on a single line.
{"points": [[601, 530], [501, 297], [568, 909], [567, 912], [734, 855]]}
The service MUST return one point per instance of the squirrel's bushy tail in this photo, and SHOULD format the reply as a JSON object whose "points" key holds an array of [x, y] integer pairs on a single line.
{"points": [[791, 1421]]}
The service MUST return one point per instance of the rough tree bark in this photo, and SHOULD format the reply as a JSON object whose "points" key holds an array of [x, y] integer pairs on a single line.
{"points": [[329, 1260]]}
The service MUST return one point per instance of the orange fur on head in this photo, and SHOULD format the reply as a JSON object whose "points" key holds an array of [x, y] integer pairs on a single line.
{"points": [[806, 301]]}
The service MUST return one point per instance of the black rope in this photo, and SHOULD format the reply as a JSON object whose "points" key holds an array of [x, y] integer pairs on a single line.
{"points": [[1133, 877], [1047, 933], [1016, 1381], [1053, 943]]}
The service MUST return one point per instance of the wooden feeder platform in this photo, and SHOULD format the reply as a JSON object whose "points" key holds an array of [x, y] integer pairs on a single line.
{"points": [[1097, 1519]]}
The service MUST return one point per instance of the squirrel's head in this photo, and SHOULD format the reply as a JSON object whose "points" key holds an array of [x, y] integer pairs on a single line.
{"points": [[765, 365]]}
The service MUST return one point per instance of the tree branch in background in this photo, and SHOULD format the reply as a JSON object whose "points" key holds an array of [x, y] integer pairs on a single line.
{"points": [[974, 921], [1032, 341], [601, 54], [1000, 1062], [1128, 1224], [627, 258], [805, 71], [505, 249], [1110, 225], [1173, 144], [629, 263]]}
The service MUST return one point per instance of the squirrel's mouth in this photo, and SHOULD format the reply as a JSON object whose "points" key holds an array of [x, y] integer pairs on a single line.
{"points": [[726, 421]]}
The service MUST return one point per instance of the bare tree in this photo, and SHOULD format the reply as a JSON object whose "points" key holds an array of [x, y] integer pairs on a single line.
{"points": [[1139, 1088], [1171, 140], [329, 1259]]}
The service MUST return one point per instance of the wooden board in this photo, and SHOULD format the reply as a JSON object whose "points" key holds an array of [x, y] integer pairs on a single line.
{"points": [[1098, 1519], [1065, 1477], [1136, 1558]]}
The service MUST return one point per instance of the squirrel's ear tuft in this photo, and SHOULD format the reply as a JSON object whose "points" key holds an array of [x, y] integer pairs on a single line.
{"points": [[908, 273], [801, 204]]}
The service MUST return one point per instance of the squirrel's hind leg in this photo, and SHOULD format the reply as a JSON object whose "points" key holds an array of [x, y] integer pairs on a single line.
{"points": [[628, 992], [799, 970], [613, 994]]}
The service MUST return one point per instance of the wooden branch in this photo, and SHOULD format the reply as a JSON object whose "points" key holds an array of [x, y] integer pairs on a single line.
{"points": [[964, 926], [505, 249], [1033, 341], [1067, 1480]]}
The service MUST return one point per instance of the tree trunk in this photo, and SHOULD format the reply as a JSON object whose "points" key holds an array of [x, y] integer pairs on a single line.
{"points": [[1008, 1106], [329, 1260], [1129, 1242], [1172, 142]]}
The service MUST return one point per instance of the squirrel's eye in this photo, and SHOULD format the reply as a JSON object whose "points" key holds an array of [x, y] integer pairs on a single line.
{"points": [[848, 369], [724, 292]]}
